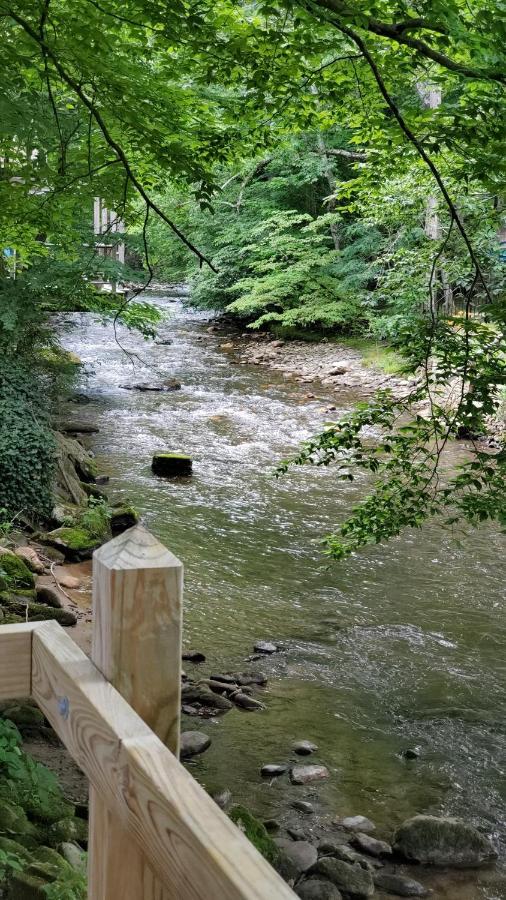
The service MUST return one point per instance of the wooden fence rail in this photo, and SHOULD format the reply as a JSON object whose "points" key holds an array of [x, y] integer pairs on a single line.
{"points": [[154, 832]]}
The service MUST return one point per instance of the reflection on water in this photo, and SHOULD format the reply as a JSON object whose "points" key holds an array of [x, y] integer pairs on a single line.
{"points": [[402, 646]]}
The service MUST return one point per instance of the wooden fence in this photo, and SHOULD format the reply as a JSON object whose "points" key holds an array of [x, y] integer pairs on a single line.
{"points": [[154, 832]]}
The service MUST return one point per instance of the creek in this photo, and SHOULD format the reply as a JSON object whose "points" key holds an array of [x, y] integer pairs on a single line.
{"points": [[400, 647]]}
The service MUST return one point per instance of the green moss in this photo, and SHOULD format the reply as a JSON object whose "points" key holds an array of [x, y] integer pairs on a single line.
{"points": [[23, 886], [75, 538], [14, 571], [14, 848], [35, 612], [256, 832], [172, 456]]}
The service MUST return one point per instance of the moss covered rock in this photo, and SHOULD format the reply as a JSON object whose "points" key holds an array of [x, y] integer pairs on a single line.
{"points": [[14, 848], [441, 841], [171, 465], [256, 832], [122, 518], [24, 715], [68, 829], [35, 612], [13, 571], [23, 886], [74, 542]]}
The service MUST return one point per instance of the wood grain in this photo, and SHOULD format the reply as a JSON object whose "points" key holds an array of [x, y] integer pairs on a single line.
{"points": [[191, 845], [16, 661], [137, 610]]}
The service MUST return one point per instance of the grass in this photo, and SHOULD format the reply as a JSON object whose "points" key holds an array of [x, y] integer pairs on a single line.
{"points": [[375, 354]]}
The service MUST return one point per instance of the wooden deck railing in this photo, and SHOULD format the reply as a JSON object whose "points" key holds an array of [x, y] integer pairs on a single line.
{"points": [[154, 832]]}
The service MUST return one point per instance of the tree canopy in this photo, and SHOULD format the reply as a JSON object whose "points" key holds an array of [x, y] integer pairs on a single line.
{"points": [[323, 164]]}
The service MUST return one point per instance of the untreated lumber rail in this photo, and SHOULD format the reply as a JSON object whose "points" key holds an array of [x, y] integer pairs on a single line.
{"points": [[183, 846]]}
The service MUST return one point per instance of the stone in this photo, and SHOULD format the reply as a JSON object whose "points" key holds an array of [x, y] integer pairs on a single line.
{"points": [[172, 465], [304, 748], [122, 518], [25, 716], [246, 702], [400, 885], [223, 798], [227, 346], [272, 825], [256, 832], [49, 594], [226, 679], [172, 384], [265, 647], [337, 370], [31, 559], [70, 830], [371, 845], [194, 693], [15, 572], [271, 770], [411, 753], [194, 656], [301, 856], [356, 823], [164, 342], [307, 774], [303, 806], [146, 387], [73, 854], [439, 841], [315, 889], [68, 581], [296, 834], [354, 882], [75, 543], [192, 743], [246, 678]]}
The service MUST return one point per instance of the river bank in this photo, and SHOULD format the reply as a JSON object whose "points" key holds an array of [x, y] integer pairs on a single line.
{"points": [[401, 648]]}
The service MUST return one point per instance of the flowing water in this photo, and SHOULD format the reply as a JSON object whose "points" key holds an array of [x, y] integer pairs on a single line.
{"points": [[402, 646]]}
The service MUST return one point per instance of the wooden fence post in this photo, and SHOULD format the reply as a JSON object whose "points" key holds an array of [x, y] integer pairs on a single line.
{"points": [[137, 627]]}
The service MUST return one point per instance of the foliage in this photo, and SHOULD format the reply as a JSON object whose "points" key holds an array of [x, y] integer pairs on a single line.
{"points": [[27, 450], [95, 518]]}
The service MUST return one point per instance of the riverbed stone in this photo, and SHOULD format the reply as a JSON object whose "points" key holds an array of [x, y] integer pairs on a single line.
{"points": [[31, 558], [371, 845], [272, 770], [266, 647], [194, 656], [356, 823], [17, 573], [246, 702], [400, 885], [440, 841], [411, 753], [308, 774], [247, 678], [171, 465], [122, 518], [49, 594], [352, 880], [75, 543], [194, 693], [303, 806], [298, 856], [304, 748], [316, 889], [193, 742]]}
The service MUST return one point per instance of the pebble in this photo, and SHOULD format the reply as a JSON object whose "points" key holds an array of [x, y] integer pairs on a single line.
{"points": [[307, 774], [193, 742], [265, 647], [271, 770], [304, 748]]}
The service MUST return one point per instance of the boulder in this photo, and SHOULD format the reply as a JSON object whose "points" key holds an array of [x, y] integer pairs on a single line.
{"points": [[164, 342], [75, 543], [67, 581], [172, 384], [70, 830], [171, 465], [354, 882], [49, 594], [194, 693], [304, 748], [246, 678], [192, 743], [307, 774], [31, 559], [400, 885], [79, 428], [440, 841], [314, 889], [303, 806]]}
